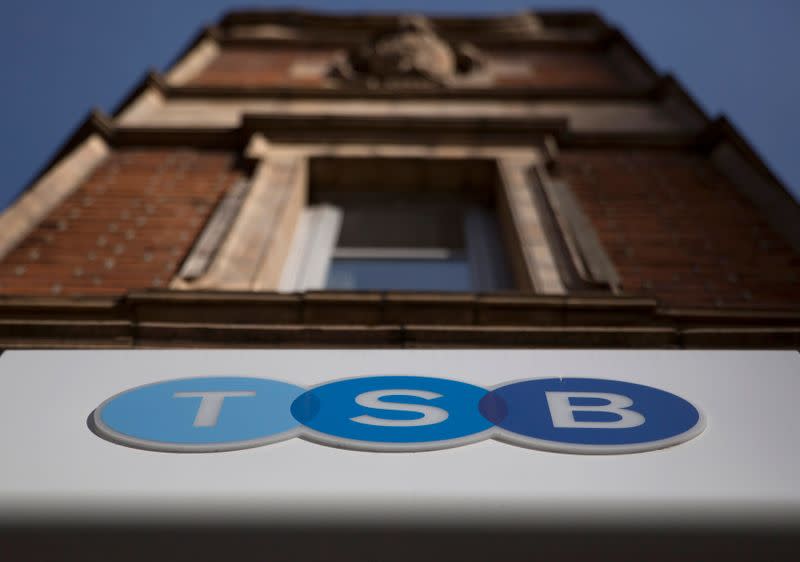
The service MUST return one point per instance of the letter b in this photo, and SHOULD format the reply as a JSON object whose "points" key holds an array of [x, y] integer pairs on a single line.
{"points": [[562, 412]]}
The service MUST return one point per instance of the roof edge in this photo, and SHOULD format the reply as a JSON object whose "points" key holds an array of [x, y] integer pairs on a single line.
{"points": [[551, 18], [96, 121]]}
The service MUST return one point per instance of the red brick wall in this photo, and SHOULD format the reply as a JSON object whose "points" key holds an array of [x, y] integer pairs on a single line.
{"points": [[259, 67], [128, 226], [255, 67], [678, 230], [558, 70]]}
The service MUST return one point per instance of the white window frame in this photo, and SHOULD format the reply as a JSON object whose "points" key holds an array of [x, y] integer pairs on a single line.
{"points": [[306, 268], [314, 248]]}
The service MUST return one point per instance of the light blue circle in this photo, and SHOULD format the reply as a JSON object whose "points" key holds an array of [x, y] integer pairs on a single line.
{"points": [[161, 416], [330, 410], [522, 411]]}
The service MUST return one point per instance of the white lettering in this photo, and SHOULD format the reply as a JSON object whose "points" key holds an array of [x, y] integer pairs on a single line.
{"points": [[211, 404], [562, 412], [430, 414]]}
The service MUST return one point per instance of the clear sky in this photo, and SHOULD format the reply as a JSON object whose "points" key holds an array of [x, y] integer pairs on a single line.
{"points": [[60, 58]]}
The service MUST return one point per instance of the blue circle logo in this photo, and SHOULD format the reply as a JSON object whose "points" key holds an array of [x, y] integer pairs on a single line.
{"points": [[393, 413], [590, 415], [200, 414], [397, 413]]}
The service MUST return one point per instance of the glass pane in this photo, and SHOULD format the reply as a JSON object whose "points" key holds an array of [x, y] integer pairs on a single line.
{"points": [[400, 274]]}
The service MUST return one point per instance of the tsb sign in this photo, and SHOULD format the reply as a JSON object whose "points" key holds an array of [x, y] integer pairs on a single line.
{"points": [[397, 413]]}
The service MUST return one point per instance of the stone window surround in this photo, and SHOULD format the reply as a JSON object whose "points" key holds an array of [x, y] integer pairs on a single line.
{"points": [[252, 258]]}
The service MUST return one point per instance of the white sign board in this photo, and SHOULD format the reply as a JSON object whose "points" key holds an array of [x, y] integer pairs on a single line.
{"points": [[738, 466]]}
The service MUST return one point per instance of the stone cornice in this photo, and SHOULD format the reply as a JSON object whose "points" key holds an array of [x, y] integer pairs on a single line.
{"points": [[549, 18], [345, 28], [415, 130], [512, 131], [354, 92], [327, 319], [595, 42], [721, 130]]}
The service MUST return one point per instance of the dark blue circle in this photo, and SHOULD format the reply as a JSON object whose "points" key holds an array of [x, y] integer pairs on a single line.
{"points": [[330, 409], [522, 409]]}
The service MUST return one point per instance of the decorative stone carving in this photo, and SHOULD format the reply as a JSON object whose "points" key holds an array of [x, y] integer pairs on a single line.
{"points": [[411, 53]]}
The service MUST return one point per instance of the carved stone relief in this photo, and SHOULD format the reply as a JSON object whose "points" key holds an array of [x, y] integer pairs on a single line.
{"points": [[409, 54]]}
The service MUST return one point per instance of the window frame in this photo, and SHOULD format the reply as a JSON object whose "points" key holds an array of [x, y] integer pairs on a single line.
{"points": [[315, 248]]}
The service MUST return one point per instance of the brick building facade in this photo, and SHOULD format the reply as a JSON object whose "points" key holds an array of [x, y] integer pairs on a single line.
{"points": [[626, 217]]}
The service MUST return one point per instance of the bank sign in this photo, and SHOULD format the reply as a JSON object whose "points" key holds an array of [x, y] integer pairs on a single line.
{"points": [[397, 413]]}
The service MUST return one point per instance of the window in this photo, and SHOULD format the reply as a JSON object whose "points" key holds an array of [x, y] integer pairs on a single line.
{"points": [[411, 270], [396, 237], [400, 223]]}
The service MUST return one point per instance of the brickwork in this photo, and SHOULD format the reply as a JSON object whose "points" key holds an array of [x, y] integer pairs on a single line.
{"points": [[255, 67], [699, 265], [555, 70], [676, 229], [259, 67], [128, 226]]}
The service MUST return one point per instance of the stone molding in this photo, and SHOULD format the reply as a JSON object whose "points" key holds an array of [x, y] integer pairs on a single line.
{"points": [[37, 202], [170, 319], [252, 254], [525, 216], [203, 52]]}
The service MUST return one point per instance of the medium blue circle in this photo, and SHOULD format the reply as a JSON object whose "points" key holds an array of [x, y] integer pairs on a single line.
{"points": [[330, 409], [158, 414], [522, 408]]}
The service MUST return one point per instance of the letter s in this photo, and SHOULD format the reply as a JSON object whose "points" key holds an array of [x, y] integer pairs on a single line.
{"points": [[430, 414]]}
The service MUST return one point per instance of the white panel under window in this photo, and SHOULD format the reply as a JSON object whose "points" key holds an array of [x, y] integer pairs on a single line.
{"points": [[448, 247], [306, 268]]}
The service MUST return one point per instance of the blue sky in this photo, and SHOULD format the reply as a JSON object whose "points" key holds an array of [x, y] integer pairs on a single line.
{"points": [[60, 58]]}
